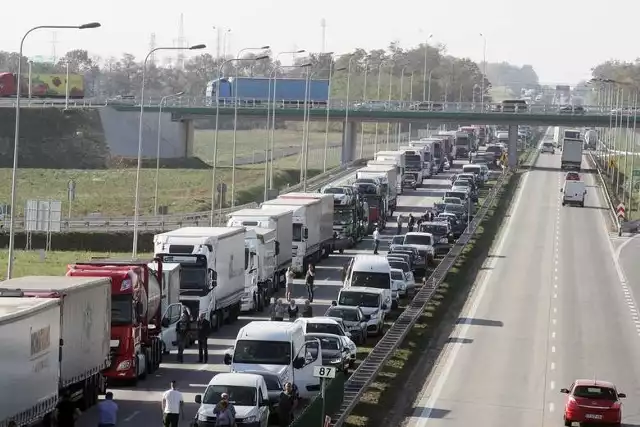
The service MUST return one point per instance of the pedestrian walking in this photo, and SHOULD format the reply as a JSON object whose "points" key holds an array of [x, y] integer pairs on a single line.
{"points": [[225, 412], [172, 406], [376, 241], [309, 281], [66, 412], [293, 310], [182, 332], [289, 283], [411, 223], [286, 405], [399, 230], [343, 273], [107, 411], [204, 328], [307, 310]]}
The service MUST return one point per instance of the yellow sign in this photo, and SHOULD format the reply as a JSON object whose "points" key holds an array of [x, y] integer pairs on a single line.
{"points": [[613, 163], [54, 85]]}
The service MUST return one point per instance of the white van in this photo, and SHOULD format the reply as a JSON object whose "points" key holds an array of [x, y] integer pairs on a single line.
{"points": [[371, 271], [371, 302], [247, 392], [481, 174], [574, 193], [278, 347]]}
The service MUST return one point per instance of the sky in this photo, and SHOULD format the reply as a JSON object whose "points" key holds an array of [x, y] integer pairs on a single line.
{"points": [[563, 39]]}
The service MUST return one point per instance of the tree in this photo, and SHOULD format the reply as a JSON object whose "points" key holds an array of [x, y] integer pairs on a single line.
{"points": [[512, 77]]}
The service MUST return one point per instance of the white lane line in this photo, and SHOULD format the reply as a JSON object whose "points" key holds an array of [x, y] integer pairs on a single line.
{"points": [[553, 335], [555, 309], [552, 407], [130, 417], [555, 295], [552, 385], [553, 321], [428, 400], [553, 366], [553, 349]]}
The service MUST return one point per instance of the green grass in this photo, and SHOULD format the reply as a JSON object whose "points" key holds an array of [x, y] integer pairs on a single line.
{"points": [[39, 263], [111, 191], [376, 407]]}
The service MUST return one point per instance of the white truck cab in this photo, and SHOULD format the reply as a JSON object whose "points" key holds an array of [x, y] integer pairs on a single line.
{"points": [[260, 268], [247, 392], [574, 193], [280, 348], [371, 271], [371, 302]]}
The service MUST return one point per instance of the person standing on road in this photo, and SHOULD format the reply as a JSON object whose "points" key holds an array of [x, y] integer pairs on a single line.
{"points": [[204, 328], [399, 230], [108, 411], [182, 331], [309, 280], [278, 311], [411, 223], [286, 405], [172, 406], [66, 412], [293, 310], [289, 283], [307, 310], [225, 412], [376, 241]]}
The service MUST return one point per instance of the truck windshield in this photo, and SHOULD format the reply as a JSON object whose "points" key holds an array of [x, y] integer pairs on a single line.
{"points": [[362, 299], [297, 232], [238, 395], [262, 352], [342, 217], [368, 279], [122, 309], [193, 277]]}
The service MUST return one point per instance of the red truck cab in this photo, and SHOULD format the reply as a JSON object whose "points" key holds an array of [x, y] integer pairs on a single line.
{"points": [[8, 86], [136, 346]]}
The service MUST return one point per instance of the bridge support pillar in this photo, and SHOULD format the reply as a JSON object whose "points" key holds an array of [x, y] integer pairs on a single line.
{"points": [[349, 139], [187, 133], [513, 146]]}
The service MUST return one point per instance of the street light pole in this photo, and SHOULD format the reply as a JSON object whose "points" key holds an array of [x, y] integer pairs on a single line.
{"points": [[30, 66], [326, 127], [155, 194], [303, 157], [410, 98], [424, 70], [429, 95], [389, 106], [364, 100], [484, 67], [136, 209], [235, 121], [346, 108], [16, 141], [401, 102]]}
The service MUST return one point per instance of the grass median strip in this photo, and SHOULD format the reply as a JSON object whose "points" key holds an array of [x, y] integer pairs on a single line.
{"points": [[375, 406]]}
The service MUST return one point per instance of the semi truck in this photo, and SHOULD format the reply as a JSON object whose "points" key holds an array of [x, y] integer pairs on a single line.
{"points": [[591, 139], [309, 245], [327, 237], [30, 334], [463, 145], [448, 144], [571, 154], [260, 269], [82, 349], [261, 90], [279, 219], [42, 85], [398, 156], [135, 345], [388, 177], [213, 263], [389, 163], [415, 163], [376, 202]]}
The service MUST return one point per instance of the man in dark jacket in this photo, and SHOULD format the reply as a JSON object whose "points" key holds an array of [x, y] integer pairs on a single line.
{"points": [[204, 328], [182, 332]]}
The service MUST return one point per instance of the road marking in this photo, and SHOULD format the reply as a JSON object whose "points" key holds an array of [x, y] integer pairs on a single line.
{"points": [[555, 295], [553, 335], [552, 407], [553, 366], [428, 400], [130, 417], [552, 385], [555, 309]]}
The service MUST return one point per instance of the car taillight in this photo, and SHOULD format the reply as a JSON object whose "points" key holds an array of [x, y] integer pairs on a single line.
{"points": [[571, 403], [616, 405]]}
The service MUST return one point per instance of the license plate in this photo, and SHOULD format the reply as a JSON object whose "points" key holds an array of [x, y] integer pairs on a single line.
{"points": [[593, 417]]}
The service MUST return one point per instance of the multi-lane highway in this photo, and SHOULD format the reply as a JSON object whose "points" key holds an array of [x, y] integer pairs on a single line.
{"points": [[551, 305], [141, 406]]}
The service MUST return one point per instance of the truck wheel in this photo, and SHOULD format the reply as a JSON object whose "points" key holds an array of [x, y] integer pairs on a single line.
{"points": [[213, 321], [142, 374], [341, 251], [150, 361]]}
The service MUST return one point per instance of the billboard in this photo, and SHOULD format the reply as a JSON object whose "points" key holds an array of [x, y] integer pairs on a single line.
{"points": [[54, 85]]}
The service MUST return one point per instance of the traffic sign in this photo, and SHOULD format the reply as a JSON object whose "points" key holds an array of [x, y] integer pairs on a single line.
{"points": [[636, 172], [324, 372], [621, 211]]}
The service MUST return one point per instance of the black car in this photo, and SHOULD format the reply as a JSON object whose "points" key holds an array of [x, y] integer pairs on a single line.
{"points": [[410, 250], [441, 234], [457, 226], [333, 352], [409, 181], [354, 320]]}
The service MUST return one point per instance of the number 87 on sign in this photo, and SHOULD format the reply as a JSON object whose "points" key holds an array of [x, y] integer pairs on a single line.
{"points": [[324, 372]]}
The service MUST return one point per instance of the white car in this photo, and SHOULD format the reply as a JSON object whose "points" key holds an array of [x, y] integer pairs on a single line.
{"points": [[330, 325], [547, 147], [371, 302], [341, 195], [399, 283]]}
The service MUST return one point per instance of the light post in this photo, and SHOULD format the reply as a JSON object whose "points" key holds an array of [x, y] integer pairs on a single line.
{"points": [[484, 67], [401, 102], [14, 171], [424, 70], [346, 108], [364, 100], [216, 132], [326, 127], [224, 43], [389, 105], [66, 89], [235, 120], [303, 157], [30, 66], [429, 94], [136, 210], [155, 194], [375, 141], [271, 122], [410, 97]]}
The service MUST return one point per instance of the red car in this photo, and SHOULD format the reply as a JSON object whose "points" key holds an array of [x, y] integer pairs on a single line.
{"points": [[572, 176], [592, 401]]}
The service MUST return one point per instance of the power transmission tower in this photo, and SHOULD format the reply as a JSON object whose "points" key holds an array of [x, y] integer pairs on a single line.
{"points": [[152, 45]]}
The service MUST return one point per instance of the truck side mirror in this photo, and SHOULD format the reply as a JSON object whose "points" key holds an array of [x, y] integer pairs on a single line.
{"points": [[227, 359], [305, 234], [198, 399], [139, 309], [561, 190], [299, 362], [165, 322]]}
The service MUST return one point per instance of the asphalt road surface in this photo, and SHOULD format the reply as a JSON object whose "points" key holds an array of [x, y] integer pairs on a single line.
{"points": [[141, 406], [548, 308]]}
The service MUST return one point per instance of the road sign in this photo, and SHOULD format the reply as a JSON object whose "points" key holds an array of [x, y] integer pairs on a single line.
{"points": [[636, 172], [621, 211], [613, 163], [324, 372]]}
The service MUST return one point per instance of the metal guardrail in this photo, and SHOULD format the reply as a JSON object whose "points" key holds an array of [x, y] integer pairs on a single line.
{"points": [[605, 190], [367, 371]]}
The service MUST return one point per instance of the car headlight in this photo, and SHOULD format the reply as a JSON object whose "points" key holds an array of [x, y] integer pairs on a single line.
{"points": [[202, 417], [251, 419], [374, 315], [336, 361], [124, 365]]}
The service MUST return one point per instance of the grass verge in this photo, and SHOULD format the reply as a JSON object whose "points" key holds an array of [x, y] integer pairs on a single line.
{"points": [[375, 406]]}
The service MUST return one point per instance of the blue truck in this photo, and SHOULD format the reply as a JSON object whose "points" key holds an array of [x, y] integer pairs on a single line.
{"points": [[260, 89]]}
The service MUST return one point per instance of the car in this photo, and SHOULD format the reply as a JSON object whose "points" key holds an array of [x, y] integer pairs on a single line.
{"points": [[370, 301], [408, 250], [274, 389], [458, 210], [592, 401], [402, 255], [452, 201], [333, 351], [353, 319], [409, 181], [572, 109], [397, 239], [547, 147], [341, 195], [441, 232], [327, 325], [399, 285], [423, 243], [401, 264], [572, 176]]}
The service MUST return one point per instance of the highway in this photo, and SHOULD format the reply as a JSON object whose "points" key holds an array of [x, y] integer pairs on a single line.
{"points": [[551, 305], [142, 404]]}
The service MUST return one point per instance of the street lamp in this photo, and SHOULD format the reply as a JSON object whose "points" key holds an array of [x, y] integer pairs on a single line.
{"points": [[66, 89], [14, 171], [484, 67], [235, 121], [136, 210], [429, 94], [162, 101], [326, 127], [215, 135], [375, 141], [424, 70], [271, 122], [30, 66], [346, 108]]}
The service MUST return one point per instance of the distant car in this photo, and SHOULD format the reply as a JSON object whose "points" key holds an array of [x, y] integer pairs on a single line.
{"points": [[547, 147], [354, 320], [571, 109], [334, 353], [572, 176], [592, 401], [341, 195], [409, 181], [397, 239]]}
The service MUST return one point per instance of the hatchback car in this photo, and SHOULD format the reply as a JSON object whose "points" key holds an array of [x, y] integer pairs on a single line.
{"points": [[547, 147], [354, 320], [592, 401]]}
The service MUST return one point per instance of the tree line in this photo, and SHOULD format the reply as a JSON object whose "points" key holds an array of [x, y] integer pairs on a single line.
{"points": [[623, 73]]}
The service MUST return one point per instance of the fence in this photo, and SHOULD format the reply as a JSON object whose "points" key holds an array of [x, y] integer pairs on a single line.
{"points": [[313, 415]]}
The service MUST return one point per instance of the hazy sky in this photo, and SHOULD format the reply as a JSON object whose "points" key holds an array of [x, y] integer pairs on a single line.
{"points": [[562, 39]]}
